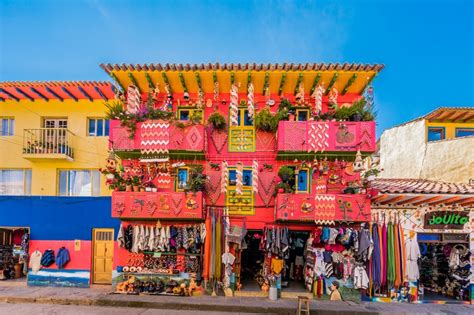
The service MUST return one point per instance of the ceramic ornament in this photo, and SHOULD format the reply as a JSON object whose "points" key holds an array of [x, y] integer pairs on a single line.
{"points": [[133, 99], [318, 99], [225, 177], [333, 96], [239, 179], [250, 102], [234, 103], [369, 96], [216, 91], [200, 103], [255, 176]]}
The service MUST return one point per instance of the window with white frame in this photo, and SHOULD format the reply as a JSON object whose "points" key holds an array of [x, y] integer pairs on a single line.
{"points": [[97, 127], [7, 126], [15, 182], [79, 183]]}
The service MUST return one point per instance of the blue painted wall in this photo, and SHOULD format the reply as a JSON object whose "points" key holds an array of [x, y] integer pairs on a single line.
{"points": [[57, 218]]}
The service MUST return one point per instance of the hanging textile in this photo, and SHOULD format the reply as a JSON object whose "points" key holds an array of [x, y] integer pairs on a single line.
{"points": [[402, 251], [396, 249], [207, 250], [318, 100], [250, 101], [412, 255], [234, 109], [255, 176], [239, 179], [213, 246], [218, 253], [390, 256], [155, 139], [376, 258], [384, 254], [133, 99]]}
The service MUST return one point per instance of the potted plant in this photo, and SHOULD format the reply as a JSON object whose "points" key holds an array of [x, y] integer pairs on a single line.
{"points": [[197, 179], [136, 183], [217, 121], [128, 184], [286, 173], [266, 121]]}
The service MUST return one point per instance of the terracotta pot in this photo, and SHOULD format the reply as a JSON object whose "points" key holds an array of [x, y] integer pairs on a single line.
{"points": [[136, 188], [142, 189], [128, 187], [154, 189], [148, 189], [291, 117]]}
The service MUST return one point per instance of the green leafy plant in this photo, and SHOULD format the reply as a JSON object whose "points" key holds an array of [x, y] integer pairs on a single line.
{"points": [[196, 117], [217, 121], [197, 179], [286, 173], [285, 187], [266, 121]]}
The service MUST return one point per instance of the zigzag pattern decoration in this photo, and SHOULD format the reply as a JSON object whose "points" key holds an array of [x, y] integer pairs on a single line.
{"points": [[365, 136], [239, 179], [213, 186], [155, 139], [318, 136], [163, 180], [325, 209], [225, 177]]}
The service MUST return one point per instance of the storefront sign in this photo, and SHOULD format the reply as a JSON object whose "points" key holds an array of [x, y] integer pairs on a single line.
{"points": [[446, 220]]}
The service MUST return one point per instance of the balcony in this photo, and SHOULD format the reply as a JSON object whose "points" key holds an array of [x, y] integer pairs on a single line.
{"points": [[45, 144], [152, 135], [303, 137], [157, 205], [322, 208]]}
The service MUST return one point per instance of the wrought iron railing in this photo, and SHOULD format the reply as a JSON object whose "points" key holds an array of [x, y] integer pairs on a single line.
{"points": [[48, 141]]}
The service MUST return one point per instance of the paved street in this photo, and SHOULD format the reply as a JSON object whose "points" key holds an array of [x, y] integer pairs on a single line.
{"points": [[45, 309]]}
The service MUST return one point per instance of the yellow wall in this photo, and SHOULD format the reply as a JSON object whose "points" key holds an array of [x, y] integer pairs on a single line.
{"points": [[89, 152], [450, 128]]}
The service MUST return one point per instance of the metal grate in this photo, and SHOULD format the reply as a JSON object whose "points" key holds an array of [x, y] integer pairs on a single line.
{"points": [[103, 236]]}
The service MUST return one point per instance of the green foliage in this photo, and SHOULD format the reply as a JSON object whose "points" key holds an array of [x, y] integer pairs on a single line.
{"points": [[286, 173], [197, 180], [356, 112], [217, 121], [266, 121], [286, 188], [196, 117]]}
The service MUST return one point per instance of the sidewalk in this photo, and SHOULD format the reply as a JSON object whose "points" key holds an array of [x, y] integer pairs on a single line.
{"points": [[99, 296]]}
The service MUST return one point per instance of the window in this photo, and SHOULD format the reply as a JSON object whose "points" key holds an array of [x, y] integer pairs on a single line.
{"points": [[55, 123], [7, 126], [464, 132], [183, 176], [246, 178], [79, 183], [185, 114], [436, 133], [302, 114], [15, 182], [98, 127], [303, 180], [243, 117]]}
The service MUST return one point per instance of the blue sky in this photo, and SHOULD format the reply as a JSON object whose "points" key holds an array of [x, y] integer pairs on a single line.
{"points": [[427, 46]]}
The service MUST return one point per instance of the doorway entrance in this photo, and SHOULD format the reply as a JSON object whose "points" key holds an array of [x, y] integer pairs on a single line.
{"points": [[103, 253], [14, 247]]}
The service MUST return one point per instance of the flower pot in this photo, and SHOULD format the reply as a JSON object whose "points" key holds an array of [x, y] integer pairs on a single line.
{"points": [[136, 188], [291, 117], [142, 189], [128, 187], [154, 189], [356, 117], [281, 190], [148, 189], [273, 293]]}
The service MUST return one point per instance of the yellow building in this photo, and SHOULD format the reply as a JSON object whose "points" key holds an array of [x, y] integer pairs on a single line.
{"points": [[436, 146], [53, 138]]}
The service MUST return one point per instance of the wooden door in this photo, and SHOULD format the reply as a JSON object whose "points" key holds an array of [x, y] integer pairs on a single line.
{"points": [[103, 254]]}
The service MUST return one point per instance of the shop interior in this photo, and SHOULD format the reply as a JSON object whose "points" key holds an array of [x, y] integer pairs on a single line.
{"points": [[444, 267], [257, 262], [14, 244]]}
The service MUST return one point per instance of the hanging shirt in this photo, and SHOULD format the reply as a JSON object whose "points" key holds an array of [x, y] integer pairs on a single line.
{"points": [[35, 261], [228, 258], [121, 237], [135, 239], [412, 251], [277, 265], [62, 257], [361, 280], [319, 267]]}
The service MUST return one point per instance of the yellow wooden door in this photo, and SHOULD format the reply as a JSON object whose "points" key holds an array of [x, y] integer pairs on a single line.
{"points": [[103, 254]]}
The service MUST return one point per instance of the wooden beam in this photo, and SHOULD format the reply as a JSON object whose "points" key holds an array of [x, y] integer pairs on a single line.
{"points": [[10, 94], [25, 94], [333, 80], [451, 113], [39, 94], [427, 200], [411, 200], [378, 198], [469, 118], [315, 83], [55, 94], [265, 83], [392, 200], [349, 83], [97, 89], [459, 115], [282, 83], [134, 81], [300, 78], [467, 201], [167, 82], [446, 201], [232, 77], [63, 88], [85, 93], [198, 80]]}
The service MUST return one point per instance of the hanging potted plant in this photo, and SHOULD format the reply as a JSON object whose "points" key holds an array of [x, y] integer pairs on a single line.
{"points": [[217, 121]]}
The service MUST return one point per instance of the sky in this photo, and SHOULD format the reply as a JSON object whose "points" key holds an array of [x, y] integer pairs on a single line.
{"points": [[426, 46]]}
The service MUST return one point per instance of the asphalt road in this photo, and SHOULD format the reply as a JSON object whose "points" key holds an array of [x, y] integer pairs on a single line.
{"points": [[48, 309]]}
